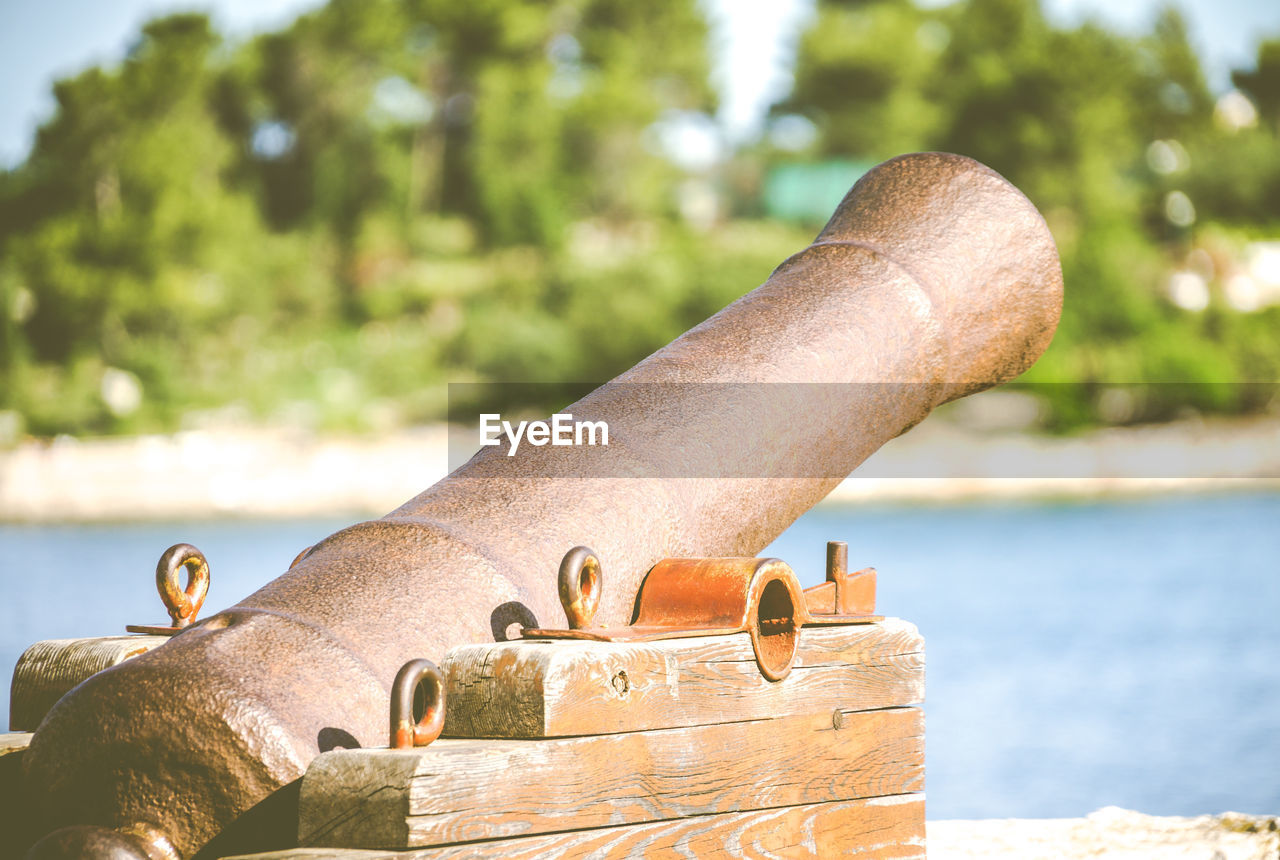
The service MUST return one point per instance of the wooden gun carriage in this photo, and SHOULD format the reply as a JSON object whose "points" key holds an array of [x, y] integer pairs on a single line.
{"points": [[739, 716]]}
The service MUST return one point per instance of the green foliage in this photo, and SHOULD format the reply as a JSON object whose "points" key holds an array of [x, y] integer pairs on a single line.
{"points": [[1262, 82], [1102, 132], [339, 213], [861, 74], [326, 223]]}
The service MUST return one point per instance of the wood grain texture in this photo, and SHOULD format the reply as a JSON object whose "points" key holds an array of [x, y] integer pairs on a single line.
{"points": [[14, 742], [556, 689], [881, 828], [48, 670], [466, 790]]}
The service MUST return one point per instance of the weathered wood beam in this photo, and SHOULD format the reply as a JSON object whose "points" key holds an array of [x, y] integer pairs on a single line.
{"points": [[466, 790], [542, 689], [881, 828]]}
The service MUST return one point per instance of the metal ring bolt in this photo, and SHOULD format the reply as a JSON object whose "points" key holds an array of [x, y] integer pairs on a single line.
{"points": [[182, 603], [407, 733], [581, 582]]}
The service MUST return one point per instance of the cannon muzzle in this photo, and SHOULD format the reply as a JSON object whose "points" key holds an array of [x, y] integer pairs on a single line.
{"points": [[934, 278]]}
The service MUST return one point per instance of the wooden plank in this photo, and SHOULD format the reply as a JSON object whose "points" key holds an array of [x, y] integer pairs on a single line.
{"points": [[881, 828], [558, 689], [14, 742], [48, 669], [465, 790]]}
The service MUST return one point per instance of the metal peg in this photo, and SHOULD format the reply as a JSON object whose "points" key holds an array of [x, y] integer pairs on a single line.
{"points": [[838, 569]]}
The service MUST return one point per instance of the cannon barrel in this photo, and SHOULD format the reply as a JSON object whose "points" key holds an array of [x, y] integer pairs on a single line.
{"points": [[934, 278]]}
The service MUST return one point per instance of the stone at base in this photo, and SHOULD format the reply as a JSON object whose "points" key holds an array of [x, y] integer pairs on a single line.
{"points": [[1116, 834]]}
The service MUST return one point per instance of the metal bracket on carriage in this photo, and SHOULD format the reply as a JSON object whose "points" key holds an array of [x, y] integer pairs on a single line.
{"points": [[683, 597]]}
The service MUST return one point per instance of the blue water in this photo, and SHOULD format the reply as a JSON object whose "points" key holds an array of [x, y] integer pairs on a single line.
{"points": [[1079, 655]]}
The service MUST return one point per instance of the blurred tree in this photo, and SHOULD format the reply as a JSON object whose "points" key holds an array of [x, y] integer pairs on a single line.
{"points": [[503, 112], [1112, 137], [860, 76], [518, 117], [369, 161], [129, 252], [1262, 83], [386, 193], [1236, 175]]}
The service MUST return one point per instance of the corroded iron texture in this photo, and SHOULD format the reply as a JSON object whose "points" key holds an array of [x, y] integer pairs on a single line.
{"points": [[934, 276], [684, 597]]}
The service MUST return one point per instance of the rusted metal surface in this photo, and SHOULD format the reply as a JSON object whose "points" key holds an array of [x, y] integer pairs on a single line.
{"points": [[579, 586], [101, 843], [843, 593], [406, 732], [935, 278], [683, 597], [182, 604], [712, 597]]}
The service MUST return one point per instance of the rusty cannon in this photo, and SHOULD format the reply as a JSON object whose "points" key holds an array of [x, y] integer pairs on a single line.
{"points": [[935, 278]]}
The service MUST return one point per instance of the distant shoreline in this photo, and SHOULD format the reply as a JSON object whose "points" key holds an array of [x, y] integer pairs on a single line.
{"points": [[275, 473]]}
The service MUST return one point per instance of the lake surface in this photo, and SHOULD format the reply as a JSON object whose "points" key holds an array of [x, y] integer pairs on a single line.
{"points": [[1079, 655]]}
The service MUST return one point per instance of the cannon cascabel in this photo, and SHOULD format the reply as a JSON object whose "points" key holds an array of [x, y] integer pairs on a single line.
{"points": [[934, 278]]}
